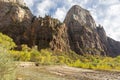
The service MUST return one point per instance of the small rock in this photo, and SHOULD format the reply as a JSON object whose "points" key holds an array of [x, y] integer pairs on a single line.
{"points": [[19, 79]]}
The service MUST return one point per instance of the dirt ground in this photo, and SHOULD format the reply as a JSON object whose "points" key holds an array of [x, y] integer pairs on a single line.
{"points": [[63, 73]]}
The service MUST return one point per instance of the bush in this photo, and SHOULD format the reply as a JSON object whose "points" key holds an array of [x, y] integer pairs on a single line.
{"points": [[7, 65], [97, 62], [6, 42], [48, 57]]}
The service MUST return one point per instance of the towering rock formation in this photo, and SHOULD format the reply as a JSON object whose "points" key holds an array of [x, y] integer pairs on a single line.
{"points": [[86, 37], [15, 19], [82, 32], [49, 33], [78, 32], [111, 47]]}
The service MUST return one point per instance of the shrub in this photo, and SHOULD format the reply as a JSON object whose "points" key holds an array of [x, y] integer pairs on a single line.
{"points": [[6, 42], [7, 65]]}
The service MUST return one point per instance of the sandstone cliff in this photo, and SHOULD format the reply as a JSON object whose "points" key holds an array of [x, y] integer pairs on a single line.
{"points": [[78, 32], [15, 19], [82, 32], [48, 33], [86, 37]]}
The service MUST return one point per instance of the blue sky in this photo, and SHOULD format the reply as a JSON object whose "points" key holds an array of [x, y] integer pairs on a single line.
{"points": [[105, 12]]}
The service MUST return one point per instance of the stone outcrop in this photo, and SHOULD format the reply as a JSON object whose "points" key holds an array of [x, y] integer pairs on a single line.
{"points": [[78, 32], [15, 19], [111, 47], [49, 33], [86, 37], [82, 33]]}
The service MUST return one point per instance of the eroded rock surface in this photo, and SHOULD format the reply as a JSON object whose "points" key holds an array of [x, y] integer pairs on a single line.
{"points": [[83, 36], [15, 19], [78, 32], [49, 33], [86, 37]]}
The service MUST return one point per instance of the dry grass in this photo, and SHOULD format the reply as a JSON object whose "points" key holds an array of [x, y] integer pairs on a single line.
{"points": [[36, 73], [64, 73]]}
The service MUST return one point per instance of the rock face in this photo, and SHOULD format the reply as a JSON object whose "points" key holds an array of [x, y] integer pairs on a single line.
{"points": [[111, 47], [114, 47], [86, 37], [15, 19], [83, 36], [49, 33], [78, 32]]}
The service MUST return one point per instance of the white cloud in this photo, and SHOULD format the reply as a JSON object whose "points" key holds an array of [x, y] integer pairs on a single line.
{"points": [[29, 3], [108, 2], [111, 21], [107, 13], [44, 7], [60, 13]]}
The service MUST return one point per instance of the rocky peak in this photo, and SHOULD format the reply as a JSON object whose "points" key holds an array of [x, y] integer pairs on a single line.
{"points": [[47, 32], [14, 11], [80, 15], [15, 19], [83, 36], [78, 32], [101, 32]]}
